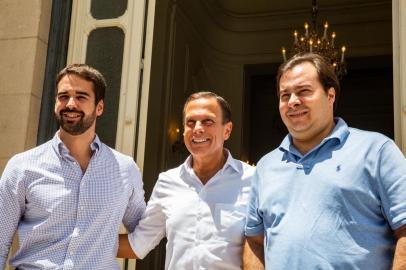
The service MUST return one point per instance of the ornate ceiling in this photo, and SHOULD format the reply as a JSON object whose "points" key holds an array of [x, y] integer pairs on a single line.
{"points": [[261, 27], [258, 7]]}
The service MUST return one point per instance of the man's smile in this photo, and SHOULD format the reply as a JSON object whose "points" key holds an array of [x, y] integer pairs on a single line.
{"points": [[298, 113], [198, 141], [71, 115]]}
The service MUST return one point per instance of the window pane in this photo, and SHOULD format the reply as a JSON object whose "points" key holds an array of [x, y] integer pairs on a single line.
{"points": [[107, 9], [105, 53]]}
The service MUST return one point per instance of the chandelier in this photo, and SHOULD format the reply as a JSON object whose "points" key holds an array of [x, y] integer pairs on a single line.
{"points": [[323, 45]]}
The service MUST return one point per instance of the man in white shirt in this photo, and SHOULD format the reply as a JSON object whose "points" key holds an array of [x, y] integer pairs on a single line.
{"points": [[199, 206]]}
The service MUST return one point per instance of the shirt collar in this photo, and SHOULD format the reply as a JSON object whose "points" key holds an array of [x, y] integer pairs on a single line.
{"points": [[186, 166], [232, 162], [63, 151], [340, 133]]}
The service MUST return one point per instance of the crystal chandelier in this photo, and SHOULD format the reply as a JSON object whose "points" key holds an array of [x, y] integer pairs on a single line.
{"points": [[323, 45]]}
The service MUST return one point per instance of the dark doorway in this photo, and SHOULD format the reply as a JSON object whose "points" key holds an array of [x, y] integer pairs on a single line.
{"points": [[366, 102]]}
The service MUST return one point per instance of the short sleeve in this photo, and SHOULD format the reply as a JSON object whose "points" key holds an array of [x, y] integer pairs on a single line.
{"points": [[391, 174], [254, 224]]}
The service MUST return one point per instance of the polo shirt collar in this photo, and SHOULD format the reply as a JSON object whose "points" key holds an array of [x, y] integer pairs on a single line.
{"points": [[340, 133]]}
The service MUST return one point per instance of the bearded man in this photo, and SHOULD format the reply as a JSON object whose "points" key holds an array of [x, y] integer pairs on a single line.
{"points": [[67, 197]]}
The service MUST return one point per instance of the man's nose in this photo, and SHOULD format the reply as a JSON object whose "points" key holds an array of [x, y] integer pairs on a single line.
{"points": [[198, 127], [71, 103], [293, 100]]}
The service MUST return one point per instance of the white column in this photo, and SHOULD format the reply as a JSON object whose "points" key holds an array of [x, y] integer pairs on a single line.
{"points": [[399, 69]]}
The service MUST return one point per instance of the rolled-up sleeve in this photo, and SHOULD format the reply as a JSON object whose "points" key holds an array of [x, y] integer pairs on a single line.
{"points": [[151, 228], [136, 205]]}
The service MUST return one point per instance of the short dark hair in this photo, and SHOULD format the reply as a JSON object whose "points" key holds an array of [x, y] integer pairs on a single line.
{"points": [[224, 105], [325, 71], [87, 73]]}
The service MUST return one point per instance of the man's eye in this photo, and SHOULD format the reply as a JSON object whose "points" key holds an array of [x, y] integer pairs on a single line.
{"points": [[63, 97], [285, 96], [208, 122], [304, 92], [81, 97], [190, 123]]}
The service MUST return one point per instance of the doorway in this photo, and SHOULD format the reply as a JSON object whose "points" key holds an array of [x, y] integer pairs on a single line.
{"points": [[233, 49]]}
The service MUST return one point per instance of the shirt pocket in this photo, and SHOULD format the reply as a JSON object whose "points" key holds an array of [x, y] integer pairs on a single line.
{"points": [[230, 221]]}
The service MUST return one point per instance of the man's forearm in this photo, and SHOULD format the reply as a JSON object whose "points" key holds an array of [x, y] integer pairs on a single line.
{"points": [[399, 260], [253, 254], [124, 248]]}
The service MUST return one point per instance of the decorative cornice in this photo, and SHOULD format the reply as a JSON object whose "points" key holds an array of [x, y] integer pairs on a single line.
{"points": [[280, 19], [249, 39], [213, 5]]}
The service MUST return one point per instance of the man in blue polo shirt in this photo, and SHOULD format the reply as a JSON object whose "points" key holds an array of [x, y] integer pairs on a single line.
{"points": [[330, 196]]}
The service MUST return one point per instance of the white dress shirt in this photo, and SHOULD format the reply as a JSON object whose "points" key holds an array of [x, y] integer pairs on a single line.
{"points": [[204, 224]]}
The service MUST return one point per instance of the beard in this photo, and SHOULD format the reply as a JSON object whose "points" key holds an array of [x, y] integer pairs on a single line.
{"points": [[75, 127]]}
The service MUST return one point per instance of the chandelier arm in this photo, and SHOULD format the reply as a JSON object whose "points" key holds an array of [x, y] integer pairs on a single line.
{"points": [[314, 15]]}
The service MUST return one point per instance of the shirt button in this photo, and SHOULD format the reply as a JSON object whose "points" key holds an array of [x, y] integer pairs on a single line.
{"points": [[75, 232], [71, 253]]}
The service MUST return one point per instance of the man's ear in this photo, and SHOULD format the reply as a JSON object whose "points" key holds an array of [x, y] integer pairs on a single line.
{"points": [[228, 127], [331, 94], [99, 108]]}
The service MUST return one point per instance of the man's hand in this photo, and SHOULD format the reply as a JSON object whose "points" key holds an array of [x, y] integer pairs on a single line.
{"points": [[253, 254], [399, 260], [124, 248]]}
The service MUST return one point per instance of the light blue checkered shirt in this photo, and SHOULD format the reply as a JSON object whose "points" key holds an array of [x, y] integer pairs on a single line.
{"points": [[67, 219]]}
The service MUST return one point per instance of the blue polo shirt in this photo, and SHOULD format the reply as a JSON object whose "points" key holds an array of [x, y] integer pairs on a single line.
{"points": [[333, 208]]}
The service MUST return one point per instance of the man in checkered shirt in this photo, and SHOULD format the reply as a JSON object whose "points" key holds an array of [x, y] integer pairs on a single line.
{"points": [[67, 197]]}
